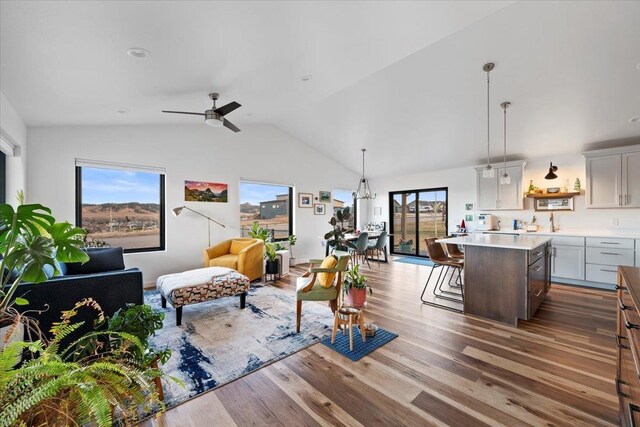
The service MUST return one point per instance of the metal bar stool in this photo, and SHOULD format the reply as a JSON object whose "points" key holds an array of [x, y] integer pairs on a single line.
{"points": [[437, 255]]}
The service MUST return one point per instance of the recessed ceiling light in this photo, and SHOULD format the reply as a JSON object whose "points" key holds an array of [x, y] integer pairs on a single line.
{"points": [[123, 110], [306, 78], [634, 119], [138, 52]]}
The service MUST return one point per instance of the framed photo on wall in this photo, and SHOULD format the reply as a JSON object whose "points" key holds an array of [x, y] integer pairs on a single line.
{"points": [[468, 206], [305, 200], [319, 208], [468, 218], [325, 197]]}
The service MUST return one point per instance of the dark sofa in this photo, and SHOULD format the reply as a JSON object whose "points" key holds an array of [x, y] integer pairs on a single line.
{"points": [[102, 278]]}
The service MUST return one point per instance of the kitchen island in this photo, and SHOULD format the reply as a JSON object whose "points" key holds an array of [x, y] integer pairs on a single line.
{"points": [[505, 277]]}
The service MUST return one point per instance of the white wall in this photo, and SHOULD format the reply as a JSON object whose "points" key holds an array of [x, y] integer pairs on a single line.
{"points": [[198, 152], [14, 129], [462, 189]]}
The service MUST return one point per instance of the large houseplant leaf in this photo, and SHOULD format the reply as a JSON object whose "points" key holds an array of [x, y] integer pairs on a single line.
{"points": [[30, 254], [33, 220], [68, 241]]}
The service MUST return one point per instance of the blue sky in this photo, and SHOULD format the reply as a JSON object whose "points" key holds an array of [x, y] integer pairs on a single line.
{"points": [[256, 193], [428, 196], [117, 186]]}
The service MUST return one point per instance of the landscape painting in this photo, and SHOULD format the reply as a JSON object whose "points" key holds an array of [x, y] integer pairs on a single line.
{"points": [[198, 191]]}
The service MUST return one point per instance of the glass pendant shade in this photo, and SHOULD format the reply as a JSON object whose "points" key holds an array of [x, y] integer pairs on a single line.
{"points": [[505, 179], [488, 172], [364, 190]]}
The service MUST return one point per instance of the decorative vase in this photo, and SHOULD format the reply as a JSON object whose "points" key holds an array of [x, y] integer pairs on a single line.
{"points": [[17, 334], [357, 297]]}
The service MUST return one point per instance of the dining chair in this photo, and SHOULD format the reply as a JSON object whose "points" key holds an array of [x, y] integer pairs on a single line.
{"points": [[362, 245], [379, 246]]}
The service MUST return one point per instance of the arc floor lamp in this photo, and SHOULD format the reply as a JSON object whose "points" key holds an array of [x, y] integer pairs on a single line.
{"points": [[177, 211]]}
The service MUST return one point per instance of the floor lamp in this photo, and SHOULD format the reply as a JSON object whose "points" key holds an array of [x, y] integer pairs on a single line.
{"points": [[177, 211]]}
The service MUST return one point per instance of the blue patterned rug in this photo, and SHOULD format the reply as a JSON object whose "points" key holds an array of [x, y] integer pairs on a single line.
{"points": [[414, 260], [218, 342], [360, 349]]}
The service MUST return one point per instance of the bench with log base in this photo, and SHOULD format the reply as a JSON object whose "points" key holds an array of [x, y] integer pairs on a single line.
{"points": [[204, 284]]}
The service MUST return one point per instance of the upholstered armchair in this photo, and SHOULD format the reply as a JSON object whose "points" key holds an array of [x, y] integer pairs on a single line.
{"points": [[321, 282], [242, 254]]}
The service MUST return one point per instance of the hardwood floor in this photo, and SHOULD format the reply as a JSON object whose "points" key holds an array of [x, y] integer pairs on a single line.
{"points": [[444, 368]]}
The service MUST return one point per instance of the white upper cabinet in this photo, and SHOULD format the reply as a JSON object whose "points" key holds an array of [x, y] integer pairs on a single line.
{"points": [[495, 196], [631, 179], [613, 177]]}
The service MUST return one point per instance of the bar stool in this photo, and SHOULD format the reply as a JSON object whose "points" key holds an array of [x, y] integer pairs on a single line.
{"points": [[436, 253]]}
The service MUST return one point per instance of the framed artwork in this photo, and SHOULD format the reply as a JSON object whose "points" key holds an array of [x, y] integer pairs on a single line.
{"points": [[305, 200], [319, 208], [199, 191], [325, 197], [563, 204], [377, 210], [468, 218], [468, 206]]}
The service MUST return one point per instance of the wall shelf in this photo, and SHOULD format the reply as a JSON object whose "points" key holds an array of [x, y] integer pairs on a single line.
{"points": [[553, 195]]}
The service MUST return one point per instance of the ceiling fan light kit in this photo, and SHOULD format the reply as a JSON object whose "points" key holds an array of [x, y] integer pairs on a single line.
{"points": [[215, 116]]}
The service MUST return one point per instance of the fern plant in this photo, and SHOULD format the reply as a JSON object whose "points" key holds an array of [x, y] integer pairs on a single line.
{"points": [[95, 380]]}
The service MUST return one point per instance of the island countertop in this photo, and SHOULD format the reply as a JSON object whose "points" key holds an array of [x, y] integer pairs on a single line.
{"points": [[525, 242]]}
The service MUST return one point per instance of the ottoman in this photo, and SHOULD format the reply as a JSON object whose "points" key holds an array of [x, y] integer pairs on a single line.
{"points": [[200, 285]]}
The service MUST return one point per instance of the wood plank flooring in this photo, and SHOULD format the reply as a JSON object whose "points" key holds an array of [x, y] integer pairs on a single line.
{"points": [[444, 369]]}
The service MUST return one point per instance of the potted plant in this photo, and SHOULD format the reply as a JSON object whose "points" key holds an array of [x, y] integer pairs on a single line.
{"points": [[103, 378], [355, 287], [271, 255], [336, 237], [31, 245], [405, 245], [292, 242], [258, 232]]}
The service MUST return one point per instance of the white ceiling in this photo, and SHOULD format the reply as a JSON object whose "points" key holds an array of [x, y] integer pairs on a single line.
{"points": [[403, 79]]}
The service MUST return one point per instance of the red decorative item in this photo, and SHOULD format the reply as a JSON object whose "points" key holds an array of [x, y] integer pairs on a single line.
{"points": [[462, 224]]}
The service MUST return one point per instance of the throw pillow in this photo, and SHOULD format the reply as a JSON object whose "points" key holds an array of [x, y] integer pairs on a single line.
{"points": [[326, 279], [238, 245], [100, 260]]}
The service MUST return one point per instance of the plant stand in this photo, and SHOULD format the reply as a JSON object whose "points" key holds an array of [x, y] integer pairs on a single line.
{"points": [[346, 317]]}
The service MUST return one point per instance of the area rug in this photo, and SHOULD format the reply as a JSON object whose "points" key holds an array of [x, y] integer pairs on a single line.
{"points": [[360, 349], [413, 260], [218, 342]]}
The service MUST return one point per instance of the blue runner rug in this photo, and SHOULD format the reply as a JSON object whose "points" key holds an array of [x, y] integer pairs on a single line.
{"points": [[416, 261], [360, 349]]}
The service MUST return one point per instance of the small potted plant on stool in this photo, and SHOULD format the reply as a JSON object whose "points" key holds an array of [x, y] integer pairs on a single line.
{"points": [[273, 262], [355, 287]]}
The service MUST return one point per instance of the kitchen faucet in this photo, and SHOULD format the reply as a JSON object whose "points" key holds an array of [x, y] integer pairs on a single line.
{"points": [[552, 227]]}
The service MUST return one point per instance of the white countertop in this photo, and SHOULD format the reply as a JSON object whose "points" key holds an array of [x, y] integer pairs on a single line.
{"points": [[626, 234], [522, 242]]}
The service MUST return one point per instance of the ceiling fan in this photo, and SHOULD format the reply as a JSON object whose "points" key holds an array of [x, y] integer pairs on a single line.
{"points": [[215, 116]]}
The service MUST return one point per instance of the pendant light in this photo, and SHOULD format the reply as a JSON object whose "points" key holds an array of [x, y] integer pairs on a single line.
{"points": [[364, 190], [505, 178], [488, 171], [552, 170]]}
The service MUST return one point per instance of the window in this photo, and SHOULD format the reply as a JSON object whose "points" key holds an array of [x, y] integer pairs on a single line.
{"points": [[416, 215], [271, 205], [342, 199], [121, 205]]}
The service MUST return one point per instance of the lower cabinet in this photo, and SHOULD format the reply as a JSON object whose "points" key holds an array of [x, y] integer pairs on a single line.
{"points": [[567, 262]]}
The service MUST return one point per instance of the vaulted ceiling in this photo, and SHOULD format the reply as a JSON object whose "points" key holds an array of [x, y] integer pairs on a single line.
{"points": [[403, 79]]}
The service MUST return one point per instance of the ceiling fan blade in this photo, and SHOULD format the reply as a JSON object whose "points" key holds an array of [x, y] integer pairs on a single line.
{"points": [[183, 112], [231, 126], [226, 109]]}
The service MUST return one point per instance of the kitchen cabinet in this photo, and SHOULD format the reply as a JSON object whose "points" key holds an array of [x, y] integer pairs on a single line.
{"points": [[613, 177], [631, 179], [495, 196], [567, 262], [604, 255]]}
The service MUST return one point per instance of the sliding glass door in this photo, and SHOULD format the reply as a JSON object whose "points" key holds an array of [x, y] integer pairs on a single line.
{"points": [[417, 215]]}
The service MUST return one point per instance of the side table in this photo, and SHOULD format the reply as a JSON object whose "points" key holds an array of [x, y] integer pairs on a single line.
{"points": [[346, 317]]}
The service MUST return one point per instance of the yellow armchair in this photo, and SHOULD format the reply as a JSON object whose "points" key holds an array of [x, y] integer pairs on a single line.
{"points": [[242, 254]]}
